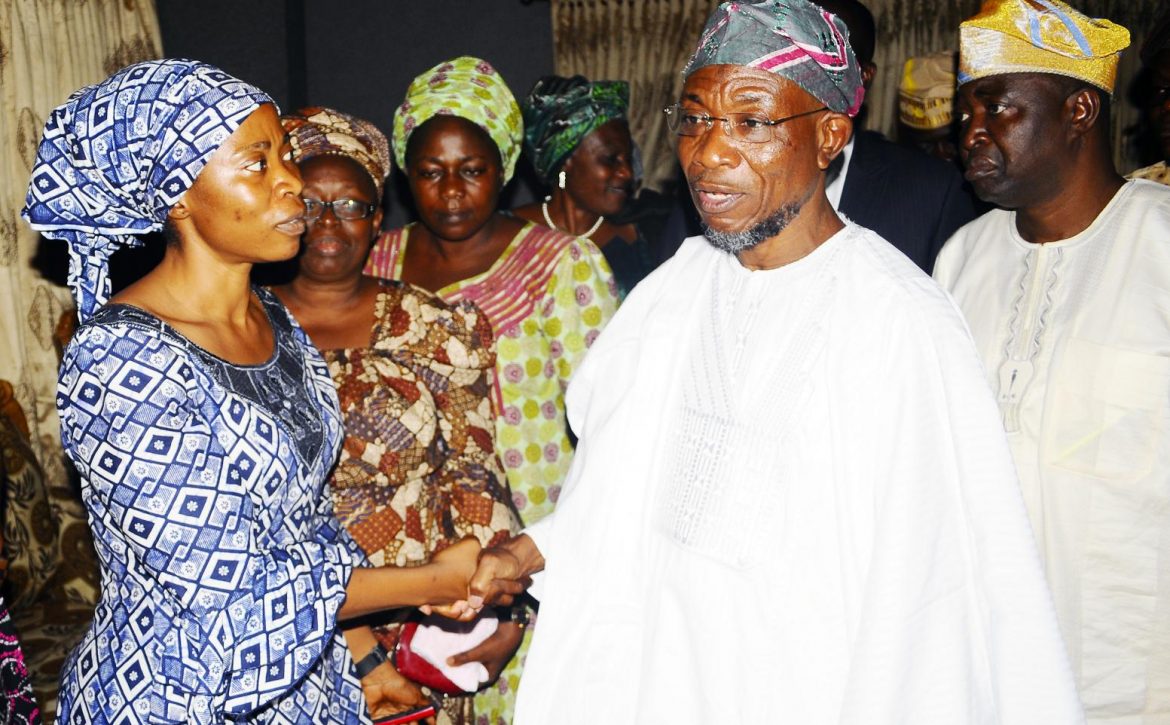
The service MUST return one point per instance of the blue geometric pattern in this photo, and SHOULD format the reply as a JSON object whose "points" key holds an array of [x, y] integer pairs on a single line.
{"points": [[117, 155], [223, 566]]}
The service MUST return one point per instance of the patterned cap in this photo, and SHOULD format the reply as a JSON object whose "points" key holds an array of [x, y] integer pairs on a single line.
{"points": [[468, 88], [1040, 36], [560, 112], [791, 38], [926, 94], [318, 131], [117, 155]]}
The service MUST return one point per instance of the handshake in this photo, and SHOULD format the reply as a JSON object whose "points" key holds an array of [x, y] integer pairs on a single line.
{"points": [[488, 577]]}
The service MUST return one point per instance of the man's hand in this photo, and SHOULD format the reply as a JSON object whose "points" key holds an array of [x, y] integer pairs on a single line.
{"points": [[494, 653], [499, 577], [503, 572], [491, 584]]}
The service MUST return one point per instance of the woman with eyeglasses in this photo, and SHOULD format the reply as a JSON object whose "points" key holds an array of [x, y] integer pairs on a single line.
{"points": [[457, 136], [578, 140], [418, 469]]}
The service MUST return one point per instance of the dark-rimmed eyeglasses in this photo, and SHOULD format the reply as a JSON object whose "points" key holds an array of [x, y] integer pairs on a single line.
{"points": [[746, 127], [344, 209]]}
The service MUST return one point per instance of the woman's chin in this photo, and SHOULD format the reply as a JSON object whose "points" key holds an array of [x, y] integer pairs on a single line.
{"points": [[326, 271], [454, 232], [285, 247]]}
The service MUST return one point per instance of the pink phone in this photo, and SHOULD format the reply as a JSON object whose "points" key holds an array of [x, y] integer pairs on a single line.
{"points": [[408, 716]]}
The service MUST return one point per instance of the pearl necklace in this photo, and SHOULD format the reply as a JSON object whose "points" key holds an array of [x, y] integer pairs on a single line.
{"points": [[548, 220]]}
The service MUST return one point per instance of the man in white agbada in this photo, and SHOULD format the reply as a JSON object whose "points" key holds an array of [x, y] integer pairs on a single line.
{"points": [[792, 501], [1067, 292]]}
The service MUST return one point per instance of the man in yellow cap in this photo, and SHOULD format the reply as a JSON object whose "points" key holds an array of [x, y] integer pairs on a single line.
{"points": [[926, 99], [1066, 289]]}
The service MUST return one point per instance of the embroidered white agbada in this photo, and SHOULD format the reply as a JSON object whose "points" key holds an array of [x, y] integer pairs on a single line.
{"points": [[792, 502], [1075, 337]]}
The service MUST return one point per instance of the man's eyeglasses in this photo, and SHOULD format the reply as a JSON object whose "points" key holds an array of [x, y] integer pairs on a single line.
{"points": [[746, 127], [344, 209]]}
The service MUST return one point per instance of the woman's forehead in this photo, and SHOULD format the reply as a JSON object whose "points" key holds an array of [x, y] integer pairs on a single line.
{"points": [[451, 132]]}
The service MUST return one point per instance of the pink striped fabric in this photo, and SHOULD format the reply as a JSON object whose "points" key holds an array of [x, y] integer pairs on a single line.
{"points": [[507, 292]]}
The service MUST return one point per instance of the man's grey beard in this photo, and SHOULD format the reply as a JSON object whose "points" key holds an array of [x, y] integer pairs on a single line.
{"points": [[777, 221]]}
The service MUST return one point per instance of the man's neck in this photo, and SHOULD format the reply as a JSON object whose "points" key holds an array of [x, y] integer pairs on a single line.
{"points": [[810, 229], [1069, 213]]}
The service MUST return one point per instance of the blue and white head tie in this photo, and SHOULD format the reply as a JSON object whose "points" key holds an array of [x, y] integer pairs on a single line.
{"points": [[117, 155]]}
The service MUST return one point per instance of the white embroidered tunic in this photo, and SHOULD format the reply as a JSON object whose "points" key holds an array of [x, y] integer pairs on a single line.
{"points": [[1075, 337], [791, 501]]}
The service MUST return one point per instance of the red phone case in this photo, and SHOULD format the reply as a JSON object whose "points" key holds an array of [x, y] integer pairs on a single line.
{"points": [[413, 667], [400, 718]]}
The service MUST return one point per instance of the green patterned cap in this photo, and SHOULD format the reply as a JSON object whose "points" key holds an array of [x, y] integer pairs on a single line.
{"points": [[560, 112]]}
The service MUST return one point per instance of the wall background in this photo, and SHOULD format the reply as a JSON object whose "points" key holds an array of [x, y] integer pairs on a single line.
{"points": [[360, 55]]}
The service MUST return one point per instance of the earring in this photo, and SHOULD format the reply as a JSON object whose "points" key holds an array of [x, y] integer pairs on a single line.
{"points": [[561, 179]]}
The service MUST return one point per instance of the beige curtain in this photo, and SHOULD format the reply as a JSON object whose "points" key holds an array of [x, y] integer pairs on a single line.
{"points": [[647, 41], [48, 49]]}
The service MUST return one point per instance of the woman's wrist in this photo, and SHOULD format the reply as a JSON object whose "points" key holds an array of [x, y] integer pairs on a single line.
{"points": [[371, 661], [450, 578]]}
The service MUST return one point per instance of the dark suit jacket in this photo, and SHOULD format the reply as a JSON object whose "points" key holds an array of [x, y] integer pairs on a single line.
{"points": [[913, 200]]}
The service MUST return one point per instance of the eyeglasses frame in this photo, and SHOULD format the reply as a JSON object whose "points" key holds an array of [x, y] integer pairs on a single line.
{"points": [[328, 206], [709, 121]]}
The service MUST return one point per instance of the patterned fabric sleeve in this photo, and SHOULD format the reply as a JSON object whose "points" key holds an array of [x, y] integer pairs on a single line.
{"points": [[329, 528], [179, 502], [580, 300], [480, 503]]}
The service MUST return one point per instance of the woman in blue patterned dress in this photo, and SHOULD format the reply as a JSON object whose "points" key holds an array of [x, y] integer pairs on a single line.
{"points": [[200, 417]]}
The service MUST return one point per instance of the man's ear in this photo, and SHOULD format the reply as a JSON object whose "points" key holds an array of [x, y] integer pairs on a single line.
{"points": [[1082, 110], [868, 71], [833, 132]]}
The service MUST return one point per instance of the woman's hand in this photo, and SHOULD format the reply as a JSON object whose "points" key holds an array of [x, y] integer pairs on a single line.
{"points": [[452, 570], [494, 653], [387, 692]]}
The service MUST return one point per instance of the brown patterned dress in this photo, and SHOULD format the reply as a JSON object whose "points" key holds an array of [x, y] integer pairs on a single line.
{"points": [[418, 470]]}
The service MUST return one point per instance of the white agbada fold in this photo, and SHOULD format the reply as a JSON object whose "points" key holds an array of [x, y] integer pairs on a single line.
{"points": [[818, 525], [1075, 338]]}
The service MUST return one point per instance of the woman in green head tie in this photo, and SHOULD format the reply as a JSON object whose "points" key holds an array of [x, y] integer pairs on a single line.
{"points": [[546, 294], [578, 140]]}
